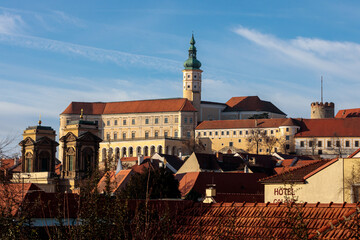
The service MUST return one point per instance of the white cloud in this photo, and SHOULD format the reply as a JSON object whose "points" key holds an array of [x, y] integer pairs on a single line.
{"points": [[10, 23], [63, 17], [338, 58]]}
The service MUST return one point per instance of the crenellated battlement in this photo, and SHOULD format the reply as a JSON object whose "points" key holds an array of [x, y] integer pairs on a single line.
{"points": [[322, 110], [322, 104]]}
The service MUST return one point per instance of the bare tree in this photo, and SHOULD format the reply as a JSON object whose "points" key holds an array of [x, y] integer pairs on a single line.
{"points": [[313, 143], [8, 146], [337, 145], [255, 139], [270, 142]]}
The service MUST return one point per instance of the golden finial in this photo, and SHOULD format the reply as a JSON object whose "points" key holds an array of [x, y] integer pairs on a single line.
{"points": [[82, 114], [39, 120]]}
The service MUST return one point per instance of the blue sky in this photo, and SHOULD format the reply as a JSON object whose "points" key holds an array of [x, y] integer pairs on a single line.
{"points": [[55, 52]]}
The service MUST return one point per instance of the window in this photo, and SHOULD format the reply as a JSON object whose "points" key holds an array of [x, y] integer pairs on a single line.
{"points": [[302, 144], [319, 143], [190, 120], [240, 132], [70, 162], [239, 140], [108, 123], [216, 133], [108, 136], [133, 121], [166, 120], [222, 132], [227, 132], [310, 143], [287, 137], [176, 119], [166, 133], [265, 132], [231, 144], [132, 135], [260, 150], [124, 122], [115, 136], [246, 132], [188, 134], [146, 135], [275, 149], [234, 133], [146, 121], [115, 122], [347, 143], [176, 134], [272, 131], [287, 129], [338, 143], [124, 135], [156, 120], [356, 143], [319, 152], [67, 122], [210, 133], [188, 76], [185, 120], [329, 144], [156, 134], [204, 133], [287, 146], [199, 134]]}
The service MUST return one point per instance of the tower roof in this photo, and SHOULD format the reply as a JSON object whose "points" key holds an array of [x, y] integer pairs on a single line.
{"points": [[192, 62]]}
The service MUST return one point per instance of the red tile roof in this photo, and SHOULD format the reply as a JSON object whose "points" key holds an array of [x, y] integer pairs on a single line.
{"points": [[299, 174], [354, 153], [329, 127], [141, 106], [250, 103], [115, 181], [267, 221], [286, 165], [348, 113], [5, 164], [244, 123]]}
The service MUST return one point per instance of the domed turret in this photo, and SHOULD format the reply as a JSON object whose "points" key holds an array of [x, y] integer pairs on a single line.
{"points": [[192, 62]]}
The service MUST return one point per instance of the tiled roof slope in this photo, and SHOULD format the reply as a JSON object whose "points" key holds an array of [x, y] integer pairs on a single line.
{"points": [[115, 181], [299, 174], [267, 221], [250, 103], [244, 123], [141, 106], [329, 127], [348, 113]]}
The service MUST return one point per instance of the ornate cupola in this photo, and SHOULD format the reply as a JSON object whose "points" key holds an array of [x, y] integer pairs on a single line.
{"points": [[192, 77]]}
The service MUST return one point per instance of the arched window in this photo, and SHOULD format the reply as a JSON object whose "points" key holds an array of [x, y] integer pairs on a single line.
{"points": [[131, 151], [28, 162], [146, 151], [70, 159], [138, 151], [123, 152], [159, 149], [103, 154], [44, 157], [152, 150]]}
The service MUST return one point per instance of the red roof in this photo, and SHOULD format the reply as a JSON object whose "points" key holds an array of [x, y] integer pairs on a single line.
{"points": [[286, 165], [299, 174], [329, 127], [141, 106], [250, 103], [267, 221], [354, 153], [348, 113], [244, 123], [115, 181]]}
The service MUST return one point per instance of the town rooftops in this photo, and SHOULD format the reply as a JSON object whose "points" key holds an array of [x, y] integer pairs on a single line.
{"points": [[250, 103], [115, 181], [245, 123], [348, 113], [329, 127], [299, 174], [140, 106]]}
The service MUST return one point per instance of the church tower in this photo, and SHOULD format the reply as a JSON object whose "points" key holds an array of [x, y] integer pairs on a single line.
{"points": [[192, 77]]}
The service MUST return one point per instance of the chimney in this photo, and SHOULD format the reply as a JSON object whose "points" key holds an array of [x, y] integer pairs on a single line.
{"points": [[219, 156], [140, 159], [210, 193], [16, 161]]}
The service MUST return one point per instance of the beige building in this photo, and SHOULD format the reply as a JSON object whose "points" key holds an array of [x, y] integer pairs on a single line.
{"points": [[323, 181]]}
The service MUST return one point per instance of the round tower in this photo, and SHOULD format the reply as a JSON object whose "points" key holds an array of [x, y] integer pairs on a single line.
{"points": [[192, 77], [322, 110]]}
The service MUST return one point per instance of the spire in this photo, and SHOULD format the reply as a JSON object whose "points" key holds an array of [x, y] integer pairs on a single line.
{"points": [[82, 114], [39, 120], [192, 62]]}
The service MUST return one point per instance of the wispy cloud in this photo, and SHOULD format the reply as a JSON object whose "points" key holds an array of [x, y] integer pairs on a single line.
{"points": [[61, 16], [338, 58], [10, 23]]}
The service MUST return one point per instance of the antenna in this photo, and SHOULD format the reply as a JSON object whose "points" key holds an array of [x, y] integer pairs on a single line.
{"points": [[321, 88]]}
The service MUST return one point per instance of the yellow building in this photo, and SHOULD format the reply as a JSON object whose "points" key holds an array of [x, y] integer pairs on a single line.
{"points": [[237, 135]]}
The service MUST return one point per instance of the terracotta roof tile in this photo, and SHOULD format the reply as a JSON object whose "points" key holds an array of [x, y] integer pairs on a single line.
{"points": [[141, 106], [348, 113], [250, 103], [115, 181]]}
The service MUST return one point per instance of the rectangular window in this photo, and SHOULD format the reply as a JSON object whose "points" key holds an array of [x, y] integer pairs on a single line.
{"points": [[287, 137], [310, 143], [231, 144], [216, 133], [146, 121], [115, 122], [356, 143], [319, 152], [302, 144], [287, 129], [260, 150], [287, 146], [210, 133], [146, 135], [71, 162], [329, 144], [240, 132], [347, 143], [190, 120], [107, 123], [246, 132], [133, 121], [124, 135], [188, 134], [222, 132], [239, 140], [156, 134], [166, 133], [319, 143], [115, 136], [176, 119], [67, 122], [272, 131], [234, 132], [185, 120], [124, 122], [132, 135], [227, 132], [338, 143], [204, 133], [176, 134], [166, 120], [199, 134], [108, 136], [265, 132], [156, 120]]}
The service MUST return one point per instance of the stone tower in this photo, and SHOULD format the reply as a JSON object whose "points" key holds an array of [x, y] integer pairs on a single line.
{"points": [[192, 77], [322, 110]]}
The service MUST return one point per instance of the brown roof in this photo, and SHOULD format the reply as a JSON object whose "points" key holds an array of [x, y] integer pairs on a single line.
{"points": [[299, 174], [244, 123], [250, 103], [115, 181], [354, 153], [141, 106], [348, 113], [288, 164], [329, 127], [267, 221]]}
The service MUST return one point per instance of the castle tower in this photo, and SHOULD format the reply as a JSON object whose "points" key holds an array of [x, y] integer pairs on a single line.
{"points": [[322, 110], [192, 77]]}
